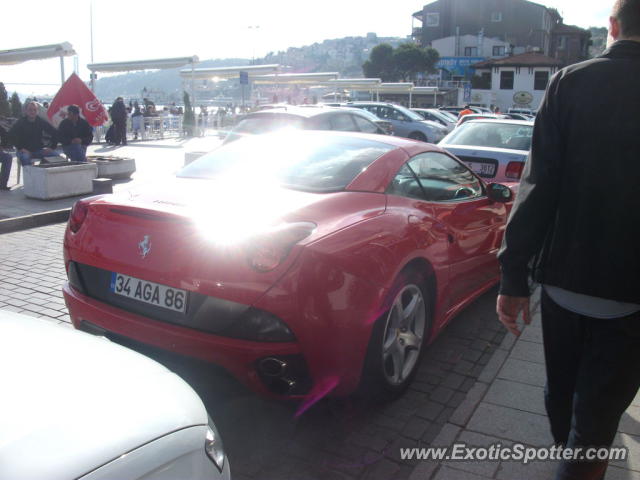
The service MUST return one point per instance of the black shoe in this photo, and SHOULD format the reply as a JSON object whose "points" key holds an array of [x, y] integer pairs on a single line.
{"points": [[5, 188]]}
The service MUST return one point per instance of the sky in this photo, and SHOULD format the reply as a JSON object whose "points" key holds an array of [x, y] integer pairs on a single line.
{"points": [[133, 30]]}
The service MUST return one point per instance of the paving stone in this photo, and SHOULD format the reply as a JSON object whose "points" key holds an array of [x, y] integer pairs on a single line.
{"points": [[464, 367], [424, 470], [456, 400], [516, 395], [535, 470], [447, 473], [415, 428], [441, 394], [463, 412], [382, 470], [528, 351], [523, 372], [444, 415], [510, 424], [447, 435], [493, 367], [430, 410], [617, 473], [532, 334], [453, 381], [467, 384], [632, 442], [485, 468]]}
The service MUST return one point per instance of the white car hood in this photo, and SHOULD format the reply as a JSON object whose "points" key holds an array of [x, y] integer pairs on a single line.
{"points": [[71, 401]]}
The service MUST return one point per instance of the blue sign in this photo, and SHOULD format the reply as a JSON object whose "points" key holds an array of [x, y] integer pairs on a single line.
{"points": [[244, 78], [458, 66]]}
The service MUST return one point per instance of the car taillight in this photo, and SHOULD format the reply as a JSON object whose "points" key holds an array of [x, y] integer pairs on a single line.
{"points": [[514, 170], [268, 250], [78, 215]]}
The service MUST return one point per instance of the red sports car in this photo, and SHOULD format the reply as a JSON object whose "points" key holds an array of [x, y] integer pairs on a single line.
{"points": [[305, 263]]}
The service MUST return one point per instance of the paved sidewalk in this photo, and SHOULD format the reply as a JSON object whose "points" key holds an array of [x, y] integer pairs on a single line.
{"points": [[506, 405], [154, 158]]}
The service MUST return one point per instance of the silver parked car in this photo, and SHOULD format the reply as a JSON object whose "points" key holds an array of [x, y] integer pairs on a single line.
{"points": [[77, 406], [405, 122], [494, 149], [305, 118], [444, 118]]}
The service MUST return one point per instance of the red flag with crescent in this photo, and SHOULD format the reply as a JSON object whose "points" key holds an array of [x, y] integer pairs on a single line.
{"points": [[75, 92]]}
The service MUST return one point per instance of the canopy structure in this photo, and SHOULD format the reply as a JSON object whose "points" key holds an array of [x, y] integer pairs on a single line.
{"points": [[20, 55], [426, 91], [131, 65], [295, 78], [358, 84], [157, 64], [225, 73]]}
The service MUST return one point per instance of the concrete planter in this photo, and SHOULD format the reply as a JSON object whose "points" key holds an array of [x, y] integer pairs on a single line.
{"points": [[50, 181], [191, 156], [115, 168]]}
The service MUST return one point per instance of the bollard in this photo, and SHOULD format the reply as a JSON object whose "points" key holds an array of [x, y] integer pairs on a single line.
{"points": [[102, 185]]}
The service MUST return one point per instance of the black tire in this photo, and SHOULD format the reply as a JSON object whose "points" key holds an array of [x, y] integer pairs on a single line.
{"points": [[379, 383], [418, 136]]}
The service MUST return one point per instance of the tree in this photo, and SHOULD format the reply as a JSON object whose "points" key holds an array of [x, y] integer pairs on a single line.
{"points": [[380, 63], [5, 108], [410, 59], [16, 106], [402, 63], [189, 118]]}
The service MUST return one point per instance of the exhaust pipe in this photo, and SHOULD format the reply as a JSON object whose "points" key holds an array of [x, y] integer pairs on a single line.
{"points": [[273, 367], [283, 385]]}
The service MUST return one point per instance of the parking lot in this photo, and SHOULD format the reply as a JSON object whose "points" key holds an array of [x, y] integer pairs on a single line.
{"points": [[337, 438]]}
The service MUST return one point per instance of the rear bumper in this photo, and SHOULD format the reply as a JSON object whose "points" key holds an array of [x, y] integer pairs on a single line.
{"points": [[239, 357]]}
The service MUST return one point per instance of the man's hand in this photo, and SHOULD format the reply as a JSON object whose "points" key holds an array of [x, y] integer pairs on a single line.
{"points": [[76, 140], [508, 309]]}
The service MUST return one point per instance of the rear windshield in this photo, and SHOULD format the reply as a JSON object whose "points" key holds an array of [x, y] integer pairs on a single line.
{"points": [[310, 162], [491, 134]]}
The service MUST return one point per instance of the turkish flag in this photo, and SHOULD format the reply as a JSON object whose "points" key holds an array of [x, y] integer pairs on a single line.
{"points": [[75, 92]]}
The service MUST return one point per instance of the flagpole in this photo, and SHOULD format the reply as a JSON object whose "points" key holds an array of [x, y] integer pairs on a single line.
{"points": [[91, 30]]}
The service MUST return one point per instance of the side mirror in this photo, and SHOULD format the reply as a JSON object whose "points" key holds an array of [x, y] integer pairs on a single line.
{"points": [[499, 193]]}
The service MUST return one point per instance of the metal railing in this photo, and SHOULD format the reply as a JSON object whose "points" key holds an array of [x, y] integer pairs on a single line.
{"points": [[167, 126]]}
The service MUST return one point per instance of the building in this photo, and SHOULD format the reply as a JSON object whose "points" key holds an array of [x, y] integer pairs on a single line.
{"points": [[521, 25], [518, 22], [517, 81]]}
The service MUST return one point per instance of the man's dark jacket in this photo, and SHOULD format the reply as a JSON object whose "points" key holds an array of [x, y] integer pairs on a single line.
{"points": [[118, 111], [30, 135], [67, 131], [576, 219]]}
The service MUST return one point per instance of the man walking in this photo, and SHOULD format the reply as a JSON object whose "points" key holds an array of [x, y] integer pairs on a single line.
{"points": [[75, 135], [28, 136], [575, 225]]}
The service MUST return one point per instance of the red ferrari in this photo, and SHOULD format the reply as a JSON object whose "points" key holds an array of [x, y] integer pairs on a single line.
{"points": [[305, 263]]}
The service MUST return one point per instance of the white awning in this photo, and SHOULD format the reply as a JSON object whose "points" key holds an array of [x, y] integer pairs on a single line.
{"points": [[295, 78], [20, 55], [224, 73], [395, 87], [363, 84], [157, 64]]}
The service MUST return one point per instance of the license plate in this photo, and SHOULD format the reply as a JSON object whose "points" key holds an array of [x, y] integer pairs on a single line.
{"points": [[482, 169], [149, 292]]}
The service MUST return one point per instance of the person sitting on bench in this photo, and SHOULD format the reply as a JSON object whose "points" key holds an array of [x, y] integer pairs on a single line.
{"points": [[75, 135], [27, 135]]}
